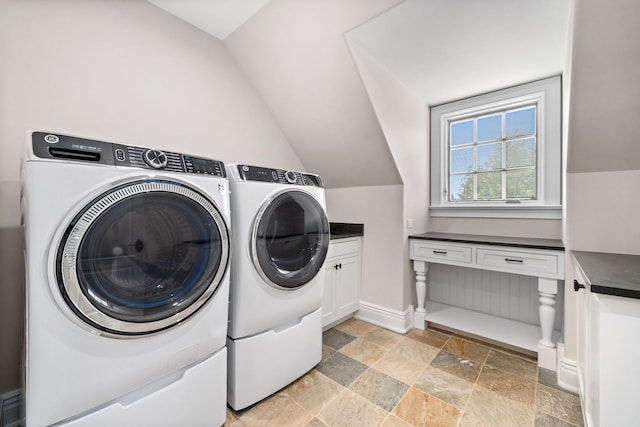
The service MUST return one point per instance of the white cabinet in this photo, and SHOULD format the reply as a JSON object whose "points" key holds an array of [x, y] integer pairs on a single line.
{"points": [[582, 329], [343, 272], [608, 327]]}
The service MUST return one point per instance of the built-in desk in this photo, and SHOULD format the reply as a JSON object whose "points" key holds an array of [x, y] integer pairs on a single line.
{"points": [[540, 258]]}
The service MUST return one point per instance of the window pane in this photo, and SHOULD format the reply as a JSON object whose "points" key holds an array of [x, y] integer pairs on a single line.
{"points": [[461, 188], [490, 157], [462, 133], [490, 186], [521, 184], [521, 123], [521, 153], [462, 160], [490, 128]]}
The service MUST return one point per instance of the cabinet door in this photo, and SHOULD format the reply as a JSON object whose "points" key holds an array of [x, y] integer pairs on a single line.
{"points": [[347, 286], [328, 294], [582, 326], [593, 392]]}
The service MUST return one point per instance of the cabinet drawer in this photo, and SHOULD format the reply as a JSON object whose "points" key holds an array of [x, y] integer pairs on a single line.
{"points": [[344, 247], [440, 252], [522, 262]]}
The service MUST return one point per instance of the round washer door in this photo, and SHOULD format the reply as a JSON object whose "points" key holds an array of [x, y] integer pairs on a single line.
{"points": [[290, 239], [142, 257]]}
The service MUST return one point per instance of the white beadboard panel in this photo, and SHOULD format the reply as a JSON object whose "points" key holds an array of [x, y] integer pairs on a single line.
{"points": [[506, 295]]}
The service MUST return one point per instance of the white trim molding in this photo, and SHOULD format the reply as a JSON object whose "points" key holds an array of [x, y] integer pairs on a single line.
{"points": [[388, 318], [546, 96], [567, 371], [536, 212]]}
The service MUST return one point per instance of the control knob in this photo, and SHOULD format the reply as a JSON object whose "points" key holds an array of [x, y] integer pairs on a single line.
{"points": [[155, 158], [290, 176]]}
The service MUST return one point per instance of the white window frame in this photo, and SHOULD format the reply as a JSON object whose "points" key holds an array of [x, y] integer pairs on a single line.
{"points": [[546, 94]]}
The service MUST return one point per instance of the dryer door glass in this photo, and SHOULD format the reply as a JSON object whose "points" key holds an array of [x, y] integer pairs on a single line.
{"points": [[290, 239], [145, 255]]}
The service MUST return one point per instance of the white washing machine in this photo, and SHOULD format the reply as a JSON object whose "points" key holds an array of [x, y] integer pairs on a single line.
{"points": [[280, 241], [127, 253]]}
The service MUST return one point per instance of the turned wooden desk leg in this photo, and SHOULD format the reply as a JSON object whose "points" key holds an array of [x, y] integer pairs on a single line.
{"points": [[548, 289], [421, 268]]}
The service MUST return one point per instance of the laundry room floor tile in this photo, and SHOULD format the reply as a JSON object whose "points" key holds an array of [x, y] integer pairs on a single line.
{"points": [[512, 364], [313, 391], [342, 369], [336, 339], [383, 337], [370, 376], [416, 350], [458, 366], [429, 336], [419, 408], [380, 389], [276, 411], [400, 367], [352, 410], [364, 351], [491, 409], [356, 327], [445, 386]]}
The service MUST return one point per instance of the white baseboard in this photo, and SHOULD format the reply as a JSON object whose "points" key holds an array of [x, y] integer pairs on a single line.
{"points": [[567, 371], [394, 320]]}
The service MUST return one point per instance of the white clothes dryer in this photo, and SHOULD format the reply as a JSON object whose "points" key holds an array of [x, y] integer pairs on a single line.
{"points": [[280, 242], [127, 254]]}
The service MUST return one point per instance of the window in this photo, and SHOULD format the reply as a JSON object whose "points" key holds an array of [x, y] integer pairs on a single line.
{"points": [[499, 154]]}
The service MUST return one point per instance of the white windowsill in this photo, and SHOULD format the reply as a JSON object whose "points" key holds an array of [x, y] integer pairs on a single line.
{"points": [[530, 212]]}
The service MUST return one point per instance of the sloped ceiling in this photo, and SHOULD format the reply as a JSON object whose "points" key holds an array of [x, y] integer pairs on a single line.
{"points": [[446, 50], [216, 17], [296, 54]]}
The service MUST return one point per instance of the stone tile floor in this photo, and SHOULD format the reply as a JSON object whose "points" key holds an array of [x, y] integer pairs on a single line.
{"points": [[370, 376]]}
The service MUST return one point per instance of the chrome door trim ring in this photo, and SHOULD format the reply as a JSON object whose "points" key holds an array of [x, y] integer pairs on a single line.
{"points": [[254, 236], [68, 254]]}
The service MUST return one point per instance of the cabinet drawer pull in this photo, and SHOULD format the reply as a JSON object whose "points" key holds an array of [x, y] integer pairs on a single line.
{"points": [[513, 260], [440, 252]]}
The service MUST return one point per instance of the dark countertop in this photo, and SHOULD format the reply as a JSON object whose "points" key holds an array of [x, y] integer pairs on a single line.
{"points": [[610, 274], [519, 242], [343, 230]]}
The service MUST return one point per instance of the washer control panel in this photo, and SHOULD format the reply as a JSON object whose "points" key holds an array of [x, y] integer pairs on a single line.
{"points": [[70, 148], [278, 176]]}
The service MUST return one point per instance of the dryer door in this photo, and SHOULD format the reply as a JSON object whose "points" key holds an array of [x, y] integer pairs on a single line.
{"points": [[290, 239], [142, 257]]}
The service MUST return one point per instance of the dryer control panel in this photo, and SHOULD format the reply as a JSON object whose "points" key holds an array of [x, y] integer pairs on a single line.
{"points": [[70, 148], [278, 176]]}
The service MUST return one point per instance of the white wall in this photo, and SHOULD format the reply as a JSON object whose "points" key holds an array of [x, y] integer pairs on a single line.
{"points": [[603, 153], [380, 210], [121, 71], [603, 211], [405, 121], [605, 99], [510, 227]]}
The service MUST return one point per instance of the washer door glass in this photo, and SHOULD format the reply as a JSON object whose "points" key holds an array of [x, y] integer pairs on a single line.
{"points": [[143, 257], [290, 239]]}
